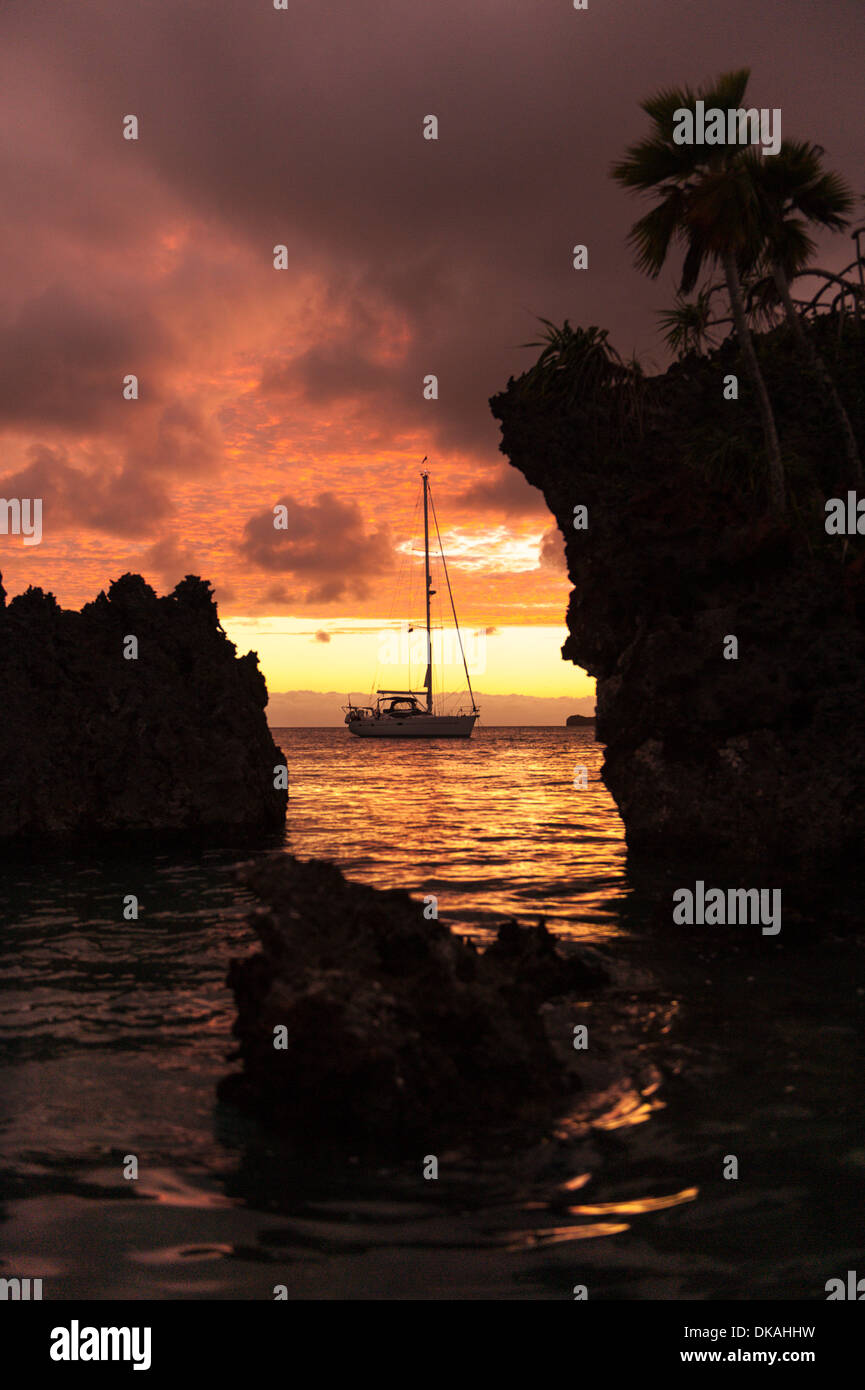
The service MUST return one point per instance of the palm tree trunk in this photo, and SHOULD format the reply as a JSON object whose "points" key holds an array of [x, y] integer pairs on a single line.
{"points": [[821, 371], [777, 485]]}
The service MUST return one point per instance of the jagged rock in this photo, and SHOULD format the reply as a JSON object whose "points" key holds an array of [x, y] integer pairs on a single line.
{"points": [[396, 1031], [91, 742], [578, 720], [761, 758]]}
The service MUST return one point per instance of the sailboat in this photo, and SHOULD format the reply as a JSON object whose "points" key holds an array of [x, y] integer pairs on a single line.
{"points": [[410, 713]]}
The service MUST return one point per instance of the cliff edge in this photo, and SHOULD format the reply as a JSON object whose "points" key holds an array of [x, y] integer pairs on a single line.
{"points": [[756, 748]]}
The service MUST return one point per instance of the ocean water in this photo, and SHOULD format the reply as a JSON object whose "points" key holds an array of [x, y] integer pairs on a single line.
{"points": [[710, 1044]]}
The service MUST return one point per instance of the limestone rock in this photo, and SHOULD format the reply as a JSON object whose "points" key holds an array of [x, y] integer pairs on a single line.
{"points": [[91, 742], [762, 757], [396, 1031]]}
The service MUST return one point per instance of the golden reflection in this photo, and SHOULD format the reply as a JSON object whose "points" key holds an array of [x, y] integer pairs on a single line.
{"points": [[633, 1208], [630, 1109], [171, 1190], [556, 1235], [614, 1108], [446, 822], [573, 1183]]}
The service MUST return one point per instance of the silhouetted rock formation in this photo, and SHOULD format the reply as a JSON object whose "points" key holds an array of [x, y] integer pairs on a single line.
{"points": [[576, 720], [396, 1031], [760, 757], [92, 742]]}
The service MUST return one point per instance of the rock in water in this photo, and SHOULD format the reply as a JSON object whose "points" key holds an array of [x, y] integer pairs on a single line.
{"points": [[753, 750], [362, 1021], [93, 740]]}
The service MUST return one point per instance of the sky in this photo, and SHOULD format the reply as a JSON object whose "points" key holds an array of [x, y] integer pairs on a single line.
{"points": [[406, 257]]}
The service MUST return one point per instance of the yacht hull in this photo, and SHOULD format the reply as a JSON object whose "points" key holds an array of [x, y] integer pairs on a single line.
{"points": [[415, 726]]}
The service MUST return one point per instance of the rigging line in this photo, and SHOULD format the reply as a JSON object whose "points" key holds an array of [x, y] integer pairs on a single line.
{"points": [[451, 597]]}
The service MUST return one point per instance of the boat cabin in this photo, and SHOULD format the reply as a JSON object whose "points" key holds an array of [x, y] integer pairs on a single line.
{"points": [[390, 704], [399, 705]]}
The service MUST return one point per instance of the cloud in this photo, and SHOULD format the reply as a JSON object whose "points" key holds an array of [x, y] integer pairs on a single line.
{"points": [[276, 595], [323, 543], [110, 497], [407, 257], [492, 550], [184, 442], [552, 552], [504, 491], [64, 354], [170, 560], [224, 595], [361, 349]]}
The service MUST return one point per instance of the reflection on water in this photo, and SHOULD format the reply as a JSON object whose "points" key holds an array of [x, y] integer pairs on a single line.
{"points": [[114, 1033], [633, 1208], [493, 827]]}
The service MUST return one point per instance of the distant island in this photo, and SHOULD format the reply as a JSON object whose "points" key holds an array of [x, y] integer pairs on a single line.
{"points": [[573, 719]]}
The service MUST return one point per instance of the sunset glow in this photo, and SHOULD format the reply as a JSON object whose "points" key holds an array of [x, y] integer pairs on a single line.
{"points": [[306, 385]]}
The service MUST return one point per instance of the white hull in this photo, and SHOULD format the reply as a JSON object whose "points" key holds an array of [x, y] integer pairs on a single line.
{"points": [[415, 726]]}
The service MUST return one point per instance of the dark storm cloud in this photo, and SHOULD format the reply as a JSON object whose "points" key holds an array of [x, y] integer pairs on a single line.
{"points": [[323, 544], [119, 500], [185, 442], [322, 376], [304, 128], [506, 491], [63, 356]]}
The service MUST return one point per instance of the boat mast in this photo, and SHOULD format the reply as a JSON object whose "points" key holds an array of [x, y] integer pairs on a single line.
{"points": [[453, 607], [429, 591]]}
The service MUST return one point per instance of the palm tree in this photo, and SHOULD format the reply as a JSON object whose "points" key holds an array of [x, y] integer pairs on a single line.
{"points": [[794, 190], [688, 325], [708, 204]]}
